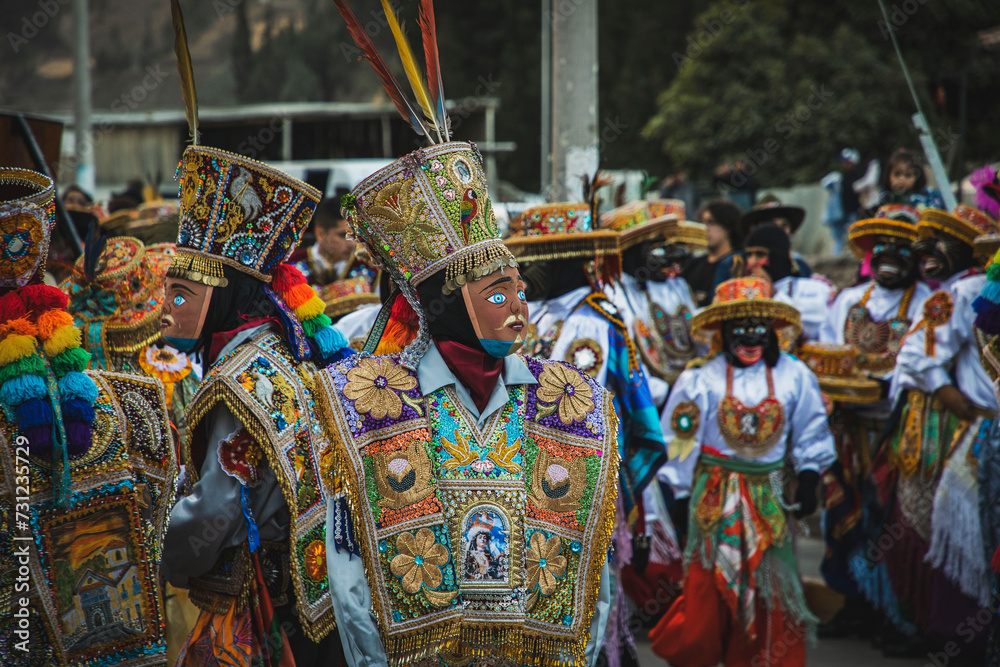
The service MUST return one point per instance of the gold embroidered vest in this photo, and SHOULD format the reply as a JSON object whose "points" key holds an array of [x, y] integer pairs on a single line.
{"points": [[477, 543], [271, 393]]}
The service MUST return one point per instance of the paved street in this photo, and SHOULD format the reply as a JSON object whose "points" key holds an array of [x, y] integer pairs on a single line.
{"points": [[828, 653]]}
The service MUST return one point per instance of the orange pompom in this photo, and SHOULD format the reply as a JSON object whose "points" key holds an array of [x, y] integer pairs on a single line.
{"points": [[51, 320], [298, 295], [22, 326]]}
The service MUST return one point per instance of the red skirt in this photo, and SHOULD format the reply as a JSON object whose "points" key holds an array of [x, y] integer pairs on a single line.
{"points": [[699, 630]]}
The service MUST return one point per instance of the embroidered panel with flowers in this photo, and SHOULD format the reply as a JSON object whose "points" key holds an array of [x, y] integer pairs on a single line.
{"points": [[272, 395], [476, 541]]}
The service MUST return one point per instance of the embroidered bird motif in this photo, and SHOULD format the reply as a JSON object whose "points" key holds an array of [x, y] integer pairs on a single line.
{"points": [[469, 209], [263, 389], [503, 454], [461, 452]]}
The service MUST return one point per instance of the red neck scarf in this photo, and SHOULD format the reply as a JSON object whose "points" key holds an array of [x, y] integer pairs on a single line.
{"points": [[221, 339], [474, 368]]}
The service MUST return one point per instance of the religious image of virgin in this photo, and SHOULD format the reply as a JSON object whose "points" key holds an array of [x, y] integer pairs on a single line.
{"points": [[480, 563]]}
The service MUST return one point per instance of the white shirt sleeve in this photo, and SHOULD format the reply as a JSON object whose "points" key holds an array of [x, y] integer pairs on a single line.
{"points": [[352, 603], [809, 430], [678, 472]]}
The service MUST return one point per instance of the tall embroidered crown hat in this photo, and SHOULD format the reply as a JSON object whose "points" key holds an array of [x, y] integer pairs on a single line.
{"points": [[27, 215], [894, 220], [741, 298], [662, 219]]}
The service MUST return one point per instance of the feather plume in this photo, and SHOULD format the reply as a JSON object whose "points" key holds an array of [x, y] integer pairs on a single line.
{"points": [[420, 92], [425, 20], [185, 71], [389, 82]]}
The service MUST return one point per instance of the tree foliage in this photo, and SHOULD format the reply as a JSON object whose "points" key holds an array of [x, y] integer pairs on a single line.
{"points": [[784, 85]]}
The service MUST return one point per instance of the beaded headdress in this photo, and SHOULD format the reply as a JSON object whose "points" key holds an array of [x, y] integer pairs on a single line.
{"points": [[430, 211], [964, 223], [894, 220], [638, 222], [118, 308], [561, 231], [27, 215], [740, 298], [238, 212]]}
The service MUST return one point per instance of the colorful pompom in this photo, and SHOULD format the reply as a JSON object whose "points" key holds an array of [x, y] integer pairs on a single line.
{"points": [[17, 390], [11, 307], [298, 295], [79, 436], [316, 324], [330, 341], [50, 321], [21, 326], [77, 410], [62, 339], [33, 412], [40, 298], [31, 365], [15, 347], [310, 309], [73, 359], [77, 385], [285, 277]]}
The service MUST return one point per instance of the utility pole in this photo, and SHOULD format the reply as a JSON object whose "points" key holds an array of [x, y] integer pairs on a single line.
{"points": [[84, 147], [573, 95]]}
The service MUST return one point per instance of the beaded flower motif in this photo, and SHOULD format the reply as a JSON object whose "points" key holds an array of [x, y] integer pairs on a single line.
{"points": [[545, 564], [565, 391], [373, 385], [419, 560]]}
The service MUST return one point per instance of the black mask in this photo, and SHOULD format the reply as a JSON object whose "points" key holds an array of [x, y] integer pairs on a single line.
{"points": [[551, 279], [741, 337], [894, 263], [943, 256], [654, 260]]}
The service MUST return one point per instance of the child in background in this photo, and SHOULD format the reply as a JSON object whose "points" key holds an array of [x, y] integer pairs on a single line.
{"points": [[905, 182]]}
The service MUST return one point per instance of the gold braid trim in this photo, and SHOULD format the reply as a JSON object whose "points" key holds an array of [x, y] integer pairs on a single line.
{"points": [[473, 263], [203, 268], [217, 390], [467, 640]]}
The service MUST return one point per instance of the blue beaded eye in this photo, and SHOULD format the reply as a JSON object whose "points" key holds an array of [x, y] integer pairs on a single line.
{"points": [[521, 295], [179, 300], [497, 298]]}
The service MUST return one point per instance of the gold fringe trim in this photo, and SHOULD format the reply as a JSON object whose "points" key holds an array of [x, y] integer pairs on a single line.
{"points": [[122, 340], [336, 308], [200, 267], [473, 263], [214, 391], [584, 245]]}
